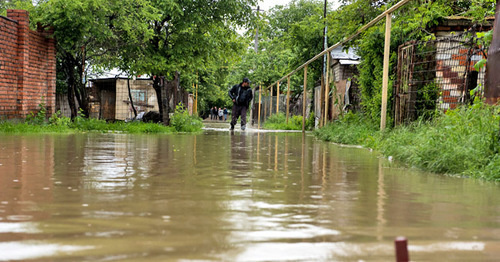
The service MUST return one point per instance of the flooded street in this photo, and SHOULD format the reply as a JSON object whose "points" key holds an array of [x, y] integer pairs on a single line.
{"points": [[217, 196]]}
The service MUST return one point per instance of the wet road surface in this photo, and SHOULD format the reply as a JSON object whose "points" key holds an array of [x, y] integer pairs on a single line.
{"points": [[222, 196]]}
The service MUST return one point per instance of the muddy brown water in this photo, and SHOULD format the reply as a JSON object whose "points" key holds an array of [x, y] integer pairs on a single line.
{"points": [[221, 196]]}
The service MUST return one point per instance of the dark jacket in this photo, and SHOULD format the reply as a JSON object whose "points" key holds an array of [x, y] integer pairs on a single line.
{"points": [[242, 95]]}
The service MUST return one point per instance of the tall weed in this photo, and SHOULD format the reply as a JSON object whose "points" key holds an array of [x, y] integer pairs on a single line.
{"points": [[463, 141], [181, 121], [352, 129], [278, 122]]}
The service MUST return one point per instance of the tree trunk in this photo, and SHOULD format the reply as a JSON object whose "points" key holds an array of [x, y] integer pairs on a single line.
{"points": [[76, 90], [130, 97], [71, 89], [492, 83], [165, 103], [71, 101], [157, 86], [165, 91]]}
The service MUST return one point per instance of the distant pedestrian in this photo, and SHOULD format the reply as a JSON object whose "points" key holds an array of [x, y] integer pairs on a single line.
{"points": [[211, 111], [221, 113], [214, 112], [241, 94], [225, 114]]}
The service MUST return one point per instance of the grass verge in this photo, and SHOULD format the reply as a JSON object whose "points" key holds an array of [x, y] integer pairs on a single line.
{"points": [[463, 141], [278, 122], [37, 123]]}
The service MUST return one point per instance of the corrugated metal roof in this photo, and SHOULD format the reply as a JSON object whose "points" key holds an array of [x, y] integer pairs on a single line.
{"points": [[349, 62], [340, 54]]}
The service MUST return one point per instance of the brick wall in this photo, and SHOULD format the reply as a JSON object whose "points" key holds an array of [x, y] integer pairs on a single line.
{"points": [[27, 67], [454, 66]]}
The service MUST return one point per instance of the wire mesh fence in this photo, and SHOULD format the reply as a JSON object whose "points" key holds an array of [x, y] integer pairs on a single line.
{"points": [[436, 75], [268, 106]]}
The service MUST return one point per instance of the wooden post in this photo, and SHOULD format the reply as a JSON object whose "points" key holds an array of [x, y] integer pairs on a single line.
{"points": [[288, 100], [327, 87], [278, 98], [260, 100], [265, 109], [401, 245], [271, 102], [385, 76], [321, 101], [304, 101], [194, 96], [196, 101]]}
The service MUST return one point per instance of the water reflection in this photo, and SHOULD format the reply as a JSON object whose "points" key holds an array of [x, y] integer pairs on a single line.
{"points": [[242, 196]]}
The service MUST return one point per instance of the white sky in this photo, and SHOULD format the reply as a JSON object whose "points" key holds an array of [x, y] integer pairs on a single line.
{"points": [[267, 4]]}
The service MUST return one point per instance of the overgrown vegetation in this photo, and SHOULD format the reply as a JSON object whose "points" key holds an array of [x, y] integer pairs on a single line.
{"points": [[38, 123], [463, 141], [278, 122], [350, 129], [182, 122]]}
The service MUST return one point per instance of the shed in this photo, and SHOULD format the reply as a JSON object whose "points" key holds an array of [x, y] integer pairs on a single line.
{"points": [[344, 68], [110, 99]]}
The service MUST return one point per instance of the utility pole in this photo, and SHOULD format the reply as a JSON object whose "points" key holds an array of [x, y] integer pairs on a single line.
{"points": [[256, 47], [325, 78]]}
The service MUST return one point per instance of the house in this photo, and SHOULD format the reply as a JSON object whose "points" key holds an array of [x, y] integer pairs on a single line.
{"points": [[110, 97], [344, 94]]}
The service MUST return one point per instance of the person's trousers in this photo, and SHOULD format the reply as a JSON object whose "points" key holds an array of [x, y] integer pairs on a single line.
{"points": [[237, 112]]}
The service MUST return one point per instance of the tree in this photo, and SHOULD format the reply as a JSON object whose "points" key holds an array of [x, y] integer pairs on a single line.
{"points": [[189, 35], [289, 36], [93, 32], [411, 22]]}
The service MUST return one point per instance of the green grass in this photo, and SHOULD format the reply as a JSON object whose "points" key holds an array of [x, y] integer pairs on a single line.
{"points": [[37, 123], [463, 142], [351, 129], [278, 122]]}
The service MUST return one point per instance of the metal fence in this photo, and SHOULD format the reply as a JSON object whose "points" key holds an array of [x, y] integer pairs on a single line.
{"points": [[436, 75]]}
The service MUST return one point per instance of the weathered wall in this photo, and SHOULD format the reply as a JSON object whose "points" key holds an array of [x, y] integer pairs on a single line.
{"points": [[27, 67], [143, 94]]}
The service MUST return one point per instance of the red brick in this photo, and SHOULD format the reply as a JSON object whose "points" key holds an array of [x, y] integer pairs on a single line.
{"points": [[27, 60]]}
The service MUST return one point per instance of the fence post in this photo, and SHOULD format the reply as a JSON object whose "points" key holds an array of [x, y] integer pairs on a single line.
{"points": [[260, 99], [265, 109], [327, 87], [321, 101], [304, 101], [385, 76], [196, 101], [278, 98], [288, 100], [401, 245], [271, 102]]}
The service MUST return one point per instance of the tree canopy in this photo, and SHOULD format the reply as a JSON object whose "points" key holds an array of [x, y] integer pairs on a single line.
{"points": [[200, 39]]}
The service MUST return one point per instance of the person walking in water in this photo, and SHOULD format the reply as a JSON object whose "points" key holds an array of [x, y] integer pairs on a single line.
{"points": [[241, 94]]}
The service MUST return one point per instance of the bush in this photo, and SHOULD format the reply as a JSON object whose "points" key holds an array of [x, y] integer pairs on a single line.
{"points": [[181, 121], [352, 129], [278, 122], [39, 117], [58, 119]]}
